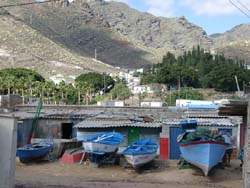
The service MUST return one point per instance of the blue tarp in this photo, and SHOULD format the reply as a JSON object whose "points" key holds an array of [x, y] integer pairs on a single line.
{"points": [[205, 107], [188, 124], [110, 138], [144, 146]]}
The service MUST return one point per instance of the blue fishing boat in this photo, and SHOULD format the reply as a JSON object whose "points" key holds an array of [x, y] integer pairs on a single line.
{"points": [[141, 152], [201, 147], [203, 154], [34, 152], [102, 143]]}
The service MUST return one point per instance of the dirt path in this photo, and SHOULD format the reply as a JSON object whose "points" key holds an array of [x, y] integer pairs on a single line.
{"points": [[59, 175]]}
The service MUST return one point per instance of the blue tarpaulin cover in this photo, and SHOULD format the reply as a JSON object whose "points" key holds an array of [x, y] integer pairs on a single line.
{"points": [[144, 146], [110, 138]]}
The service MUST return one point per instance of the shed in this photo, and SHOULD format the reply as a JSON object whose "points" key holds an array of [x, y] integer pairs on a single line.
{"points": [[130, 130], [171, 130]]}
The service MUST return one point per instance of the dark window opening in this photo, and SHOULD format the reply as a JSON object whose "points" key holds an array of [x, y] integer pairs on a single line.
{"points": [[67, 130]]}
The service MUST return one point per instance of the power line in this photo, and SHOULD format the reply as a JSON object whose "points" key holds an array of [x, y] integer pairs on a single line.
{"points": [[243, 5], [30, 3], [239, 9]]}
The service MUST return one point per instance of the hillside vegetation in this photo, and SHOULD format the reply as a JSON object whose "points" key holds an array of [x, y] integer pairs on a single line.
{"points": [[62, 39], [198, 68], [22, 46]]}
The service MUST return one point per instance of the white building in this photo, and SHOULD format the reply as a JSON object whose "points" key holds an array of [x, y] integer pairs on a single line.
{"points": [[150, 89], [111, 103], [152, 104], [188, 102]]}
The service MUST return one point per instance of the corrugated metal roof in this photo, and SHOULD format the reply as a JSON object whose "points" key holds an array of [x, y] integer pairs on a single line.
{"points": [[64, 116], [205, 116], [224, 122], [107, 124]]}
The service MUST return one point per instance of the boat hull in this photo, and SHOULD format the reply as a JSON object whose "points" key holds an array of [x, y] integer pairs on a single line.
{"points": [[34, 154], [94, 147], [203, 154], [139, 160]]}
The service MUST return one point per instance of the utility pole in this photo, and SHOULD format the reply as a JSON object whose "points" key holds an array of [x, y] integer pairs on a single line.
{"points": [[179, 86], [170, 96], [236, 79], [104, 84], [95, 54]]}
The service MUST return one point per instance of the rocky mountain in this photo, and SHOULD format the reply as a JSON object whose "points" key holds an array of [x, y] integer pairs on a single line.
{"points": [[120, 36], [236, 34], [234, 43], [22, 46]]}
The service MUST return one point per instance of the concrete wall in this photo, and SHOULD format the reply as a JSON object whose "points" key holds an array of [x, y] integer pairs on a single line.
{"points": [[10, 100], [47, 128], [246, 167], [23, 131], [8, 139]]}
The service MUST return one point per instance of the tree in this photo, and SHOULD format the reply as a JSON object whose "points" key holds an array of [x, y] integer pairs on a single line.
{"points": [[120, 91], [99, 81], [197, 68], [184, 93]]}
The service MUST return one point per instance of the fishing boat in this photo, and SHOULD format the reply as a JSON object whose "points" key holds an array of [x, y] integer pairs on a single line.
{"points": [[34, 152], [203, 154], [201, 147], [102, 143], [141, 152]]}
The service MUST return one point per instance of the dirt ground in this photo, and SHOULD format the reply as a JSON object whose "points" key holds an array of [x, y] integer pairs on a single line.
{"points": [[159, 175]]}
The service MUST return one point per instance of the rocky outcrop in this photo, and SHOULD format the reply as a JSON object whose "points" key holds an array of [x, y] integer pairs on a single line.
{"points": [[121, 36]]}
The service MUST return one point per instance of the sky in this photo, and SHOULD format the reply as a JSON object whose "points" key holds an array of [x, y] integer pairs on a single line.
{"points": [[214, 16]]}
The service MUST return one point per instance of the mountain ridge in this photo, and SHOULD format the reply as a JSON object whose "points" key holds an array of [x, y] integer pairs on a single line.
{"points": [[122, 36]]}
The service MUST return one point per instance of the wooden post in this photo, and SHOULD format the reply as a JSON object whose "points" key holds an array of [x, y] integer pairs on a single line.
{"points": [[246, 166]]}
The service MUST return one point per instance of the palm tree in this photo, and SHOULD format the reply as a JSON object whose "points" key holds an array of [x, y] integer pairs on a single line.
{"points": [[10, 82], [62, 88], [88, 93], [2, 85], [79, 87], [49, 88], [19, 86]]}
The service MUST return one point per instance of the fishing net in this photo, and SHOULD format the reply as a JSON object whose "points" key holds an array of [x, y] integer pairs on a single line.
{"points": [[201, 134]]}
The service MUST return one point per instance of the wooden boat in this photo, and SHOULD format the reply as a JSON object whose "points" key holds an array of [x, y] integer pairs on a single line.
{"points": [[201, 147], [203, 154], [102, 143], [141, 152], [34, 152]]}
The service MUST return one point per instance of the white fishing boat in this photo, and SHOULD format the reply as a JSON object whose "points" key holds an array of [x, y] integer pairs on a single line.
{"points": [[103, 143], [141, 152]]}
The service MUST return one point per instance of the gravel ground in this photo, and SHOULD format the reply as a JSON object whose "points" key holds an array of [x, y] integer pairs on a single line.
{"points": [[159, 175]]}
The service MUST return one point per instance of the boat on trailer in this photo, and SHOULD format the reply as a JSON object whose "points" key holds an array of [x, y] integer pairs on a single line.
{"points": [[102, 143], [34, 152], [141, 152]]}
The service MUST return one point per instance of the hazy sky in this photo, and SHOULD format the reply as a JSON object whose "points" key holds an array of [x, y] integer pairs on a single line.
{"points": [[214, 16]]}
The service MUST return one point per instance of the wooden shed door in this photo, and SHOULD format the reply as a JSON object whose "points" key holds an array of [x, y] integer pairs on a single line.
{"points": [[133, 134], [175, 152]]}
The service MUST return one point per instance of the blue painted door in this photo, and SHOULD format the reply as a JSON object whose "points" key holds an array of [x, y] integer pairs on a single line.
{"points": [[224, 131], [174, 146]]}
